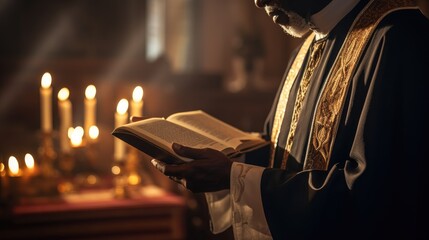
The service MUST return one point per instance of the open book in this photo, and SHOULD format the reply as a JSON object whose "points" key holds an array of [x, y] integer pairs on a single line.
{"points": [[154, 136]]}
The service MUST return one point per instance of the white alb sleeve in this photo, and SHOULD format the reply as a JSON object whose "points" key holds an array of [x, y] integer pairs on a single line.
{"points": [[219, 206], [248, 218]]}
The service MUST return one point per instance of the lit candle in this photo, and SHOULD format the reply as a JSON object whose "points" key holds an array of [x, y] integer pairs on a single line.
{"points": [[76, 136], [13, 164], [90, 108], [15, 177], [46, 103], [137, 102], [65, 112], [4, 182], [121, 118], [30, 164], [93, 133], [2, 170]]}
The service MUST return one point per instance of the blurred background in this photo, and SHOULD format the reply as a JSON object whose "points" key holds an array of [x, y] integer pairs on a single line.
{"points": [[225, 57]]}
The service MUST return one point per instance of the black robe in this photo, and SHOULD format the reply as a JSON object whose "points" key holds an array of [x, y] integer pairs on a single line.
{"points": [[374, 185]]}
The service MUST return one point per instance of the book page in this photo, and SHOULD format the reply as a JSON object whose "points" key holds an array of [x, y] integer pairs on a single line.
{"points": [[165, 132], [203, 123]]}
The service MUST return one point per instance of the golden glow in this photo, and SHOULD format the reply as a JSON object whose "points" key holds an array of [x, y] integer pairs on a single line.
{"points": [[13, 165], [138, 94], [134, 179], [29, 161], [78, 131], [76, 136], [152, 191], [93, 132], [1, 167], [116, 170], [91, 179], [46, 80], [90, 92], [63, 94], [70, 132], [122, 107]]}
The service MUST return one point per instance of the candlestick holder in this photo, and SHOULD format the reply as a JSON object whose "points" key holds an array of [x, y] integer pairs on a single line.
{"points": [[133, 174], [119, 179], [47, 184], [15, 188], [90, 175], [79, 169], [47, 156], [66, 166], [4, 189]]}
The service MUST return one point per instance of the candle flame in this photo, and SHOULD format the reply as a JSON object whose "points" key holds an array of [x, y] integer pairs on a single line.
{"points": [[13, 165], [93, 132], [90, 92], [29, 161], [76, 141], [138, 94], [116, 170], [70, 132], [76, 136], [122, 107], [63, 94], [2, 167], [46, 80], [78, 131]]}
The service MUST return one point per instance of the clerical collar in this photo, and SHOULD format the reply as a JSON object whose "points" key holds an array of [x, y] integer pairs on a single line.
{"points": [[326, 19]]}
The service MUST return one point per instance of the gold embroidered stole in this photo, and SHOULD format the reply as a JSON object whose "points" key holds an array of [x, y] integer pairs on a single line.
{"points": [[331, 101], [312, 63], [284, 95]]}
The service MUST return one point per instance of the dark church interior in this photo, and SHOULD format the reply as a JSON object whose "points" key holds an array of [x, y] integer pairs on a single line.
{"points": [[223, 57]]}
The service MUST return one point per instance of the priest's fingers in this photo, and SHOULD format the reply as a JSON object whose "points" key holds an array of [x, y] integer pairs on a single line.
{"points": [[194, 153], [179, 171], [180, 181], [158, 165], [170, 169]]}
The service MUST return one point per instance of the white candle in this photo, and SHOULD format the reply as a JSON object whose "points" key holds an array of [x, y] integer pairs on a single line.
{"points": [[46, 103], [121, 118], [65, 112], [137, 102], [90, 108]]}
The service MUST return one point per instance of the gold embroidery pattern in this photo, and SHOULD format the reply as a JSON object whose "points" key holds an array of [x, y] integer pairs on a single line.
{"points": [[313, 61], [331, 101], [284, 95]]}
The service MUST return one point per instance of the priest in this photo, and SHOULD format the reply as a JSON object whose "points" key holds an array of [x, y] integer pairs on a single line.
{"points": [[347, 130]]}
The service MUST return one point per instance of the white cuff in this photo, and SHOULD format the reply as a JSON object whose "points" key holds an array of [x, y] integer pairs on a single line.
{"points": [[219, 206], [248, 213]]}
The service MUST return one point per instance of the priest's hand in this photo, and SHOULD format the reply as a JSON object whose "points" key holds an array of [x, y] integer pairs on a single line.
{"points": [[208, 172]]}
